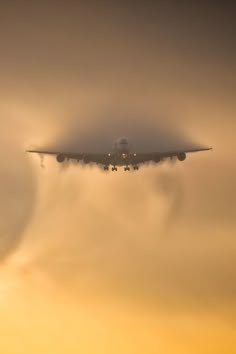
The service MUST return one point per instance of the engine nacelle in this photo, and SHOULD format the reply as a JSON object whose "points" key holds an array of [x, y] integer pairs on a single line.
{"points": [[87, 159], [60, 158], [181, 156], [157, 159]]}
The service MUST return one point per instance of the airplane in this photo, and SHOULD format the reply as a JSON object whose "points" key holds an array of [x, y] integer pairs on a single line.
{"points": [[121, 155]]}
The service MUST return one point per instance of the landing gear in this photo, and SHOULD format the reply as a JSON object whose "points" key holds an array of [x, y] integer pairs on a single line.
{"points": [[114, 168], [106, 168], [136, 168], [127, 168]]}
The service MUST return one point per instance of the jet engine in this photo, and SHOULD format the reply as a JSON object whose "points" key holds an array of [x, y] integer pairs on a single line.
{"points": [[181, 156], [60, 158], [87, 159], [157, 159]]}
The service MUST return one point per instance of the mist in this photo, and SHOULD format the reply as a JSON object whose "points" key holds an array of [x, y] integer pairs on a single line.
{"points": [[17, 185], [122, 261]]}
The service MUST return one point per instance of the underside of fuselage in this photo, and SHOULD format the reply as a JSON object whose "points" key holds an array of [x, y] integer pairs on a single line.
{"points": [[121, 159]]}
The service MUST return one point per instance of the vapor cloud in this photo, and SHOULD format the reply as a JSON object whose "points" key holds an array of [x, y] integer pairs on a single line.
{"points": [[153, 251], [17, 186]]}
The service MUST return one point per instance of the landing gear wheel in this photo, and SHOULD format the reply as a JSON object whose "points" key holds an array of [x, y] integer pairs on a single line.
{"points": [[114, 168], [106, 168], [136, 168], [126, 168]]}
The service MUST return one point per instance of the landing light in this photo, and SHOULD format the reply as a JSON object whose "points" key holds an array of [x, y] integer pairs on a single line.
{"points": [[124, 156]]}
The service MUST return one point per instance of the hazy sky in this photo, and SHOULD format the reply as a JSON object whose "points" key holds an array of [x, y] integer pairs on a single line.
{"points": [[117, 263]]}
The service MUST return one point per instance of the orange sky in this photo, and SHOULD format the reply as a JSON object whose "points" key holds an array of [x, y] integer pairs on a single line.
{"points": [[126, 263]]}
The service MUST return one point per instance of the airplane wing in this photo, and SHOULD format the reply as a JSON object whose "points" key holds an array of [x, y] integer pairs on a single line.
{"points": [[109, 159], [159, 156], [86, 158]]}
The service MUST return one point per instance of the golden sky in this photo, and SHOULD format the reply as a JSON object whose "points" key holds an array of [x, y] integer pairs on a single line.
{"points": [[117, 263]]}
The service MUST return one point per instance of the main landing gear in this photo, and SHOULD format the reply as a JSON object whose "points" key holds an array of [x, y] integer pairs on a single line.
{"points": [[106, 168], [127, 168]]}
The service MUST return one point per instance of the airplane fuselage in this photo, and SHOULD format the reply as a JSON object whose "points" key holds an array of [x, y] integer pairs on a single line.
{"points": [[121, 154], [121, 146]]}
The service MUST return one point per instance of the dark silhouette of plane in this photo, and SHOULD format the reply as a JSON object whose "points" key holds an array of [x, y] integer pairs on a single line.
{"points": [[121, 155]]}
